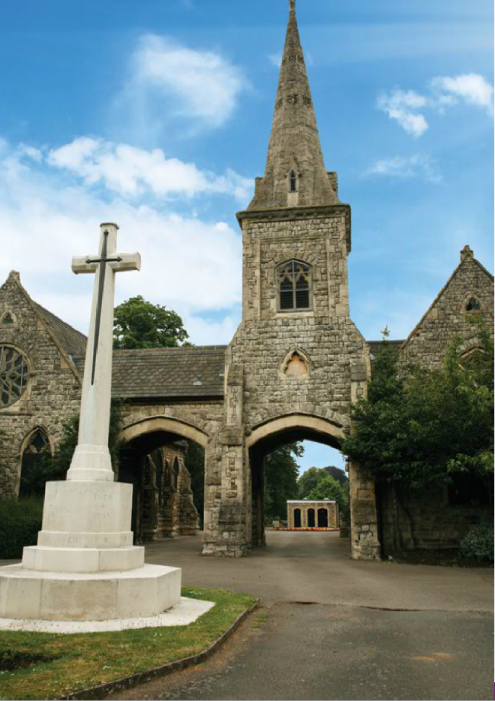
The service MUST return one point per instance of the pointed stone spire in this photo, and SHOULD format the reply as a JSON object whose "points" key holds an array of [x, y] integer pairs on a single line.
{"points": [[295, 174]]}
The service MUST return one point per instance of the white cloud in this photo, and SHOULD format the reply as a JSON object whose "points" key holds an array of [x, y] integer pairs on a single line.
{"points": [[402, 106], [132, 172], [407, 107], [471, 88], [200, 86], [419, 165], [190, 265], [275, 60]]}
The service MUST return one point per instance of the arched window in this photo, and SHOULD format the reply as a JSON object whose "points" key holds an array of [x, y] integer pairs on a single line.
{"points": [[8, 319], [311, 518], [297, 518], [14, 374], [36, 450], [473, 305], [293, 181], [294, 283]]}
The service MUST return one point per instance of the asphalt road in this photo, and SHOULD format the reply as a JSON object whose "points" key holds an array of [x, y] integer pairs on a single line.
{"points": [[332, 628]]}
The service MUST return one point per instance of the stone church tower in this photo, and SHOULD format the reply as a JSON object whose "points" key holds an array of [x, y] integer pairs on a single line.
{"points": [[297, 360]]}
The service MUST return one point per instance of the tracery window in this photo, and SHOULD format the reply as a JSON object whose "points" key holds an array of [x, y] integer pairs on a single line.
{"points": [[473, 305], [14, 374], [294, 282]]}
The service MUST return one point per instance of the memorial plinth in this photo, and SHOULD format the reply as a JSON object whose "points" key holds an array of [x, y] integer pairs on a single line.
{"points": [[85, 566]]}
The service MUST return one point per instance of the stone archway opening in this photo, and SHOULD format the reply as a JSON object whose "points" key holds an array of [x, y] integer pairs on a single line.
{"points": [[263, 443], [166, 469]]}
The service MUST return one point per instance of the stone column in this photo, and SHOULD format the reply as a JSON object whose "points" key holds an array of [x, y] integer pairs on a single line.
{"points": [[364, 521], [230, 536]]}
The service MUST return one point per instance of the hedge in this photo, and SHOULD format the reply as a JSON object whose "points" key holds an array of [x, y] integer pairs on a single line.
{"points": [[20, 522]]}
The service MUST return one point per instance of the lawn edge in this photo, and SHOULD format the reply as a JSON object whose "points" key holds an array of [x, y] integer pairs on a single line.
{"points": [[102, 690]]}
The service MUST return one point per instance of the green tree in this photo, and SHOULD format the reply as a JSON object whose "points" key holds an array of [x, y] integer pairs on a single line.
{"points": [[317, 484], [141, 324], [281, 473], [419, 427]]}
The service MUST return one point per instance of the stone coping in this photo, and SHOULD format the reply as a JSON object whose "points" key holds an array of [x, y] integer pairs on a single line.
{"points": [[310, 501]]}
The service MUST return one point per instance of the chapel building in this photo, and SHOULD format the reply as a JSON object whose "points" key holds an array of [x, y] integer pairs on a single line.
{"points": [[294, 368]]}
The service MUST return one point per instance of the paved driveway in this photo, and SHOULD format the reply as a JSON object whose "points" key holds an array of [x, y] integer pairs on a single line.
{"points": [[332, 628]]}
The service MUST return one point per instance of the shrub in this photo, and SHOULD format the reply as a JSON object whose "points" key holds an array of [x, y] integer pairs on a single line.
{"points": [[478, 544], [20, 522]]}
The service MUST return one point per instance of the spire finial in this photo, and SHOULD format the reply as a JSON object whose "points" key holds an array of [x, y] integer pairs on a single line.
{"points": [[292, 5]]}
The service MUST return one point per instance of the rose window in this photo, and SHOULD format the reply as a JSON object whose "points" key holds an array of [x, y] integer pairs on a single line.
{"points": [[14, 374]]}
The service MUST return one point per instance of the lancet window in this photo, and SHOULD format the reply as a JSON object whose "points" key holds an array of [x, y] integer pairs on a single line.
{"points": [[295, 286], [293, 181]]}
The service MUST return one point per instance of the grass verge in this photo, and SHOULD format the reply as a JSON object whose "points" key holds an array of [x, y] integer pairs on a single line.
{"points": [[48, 666]]}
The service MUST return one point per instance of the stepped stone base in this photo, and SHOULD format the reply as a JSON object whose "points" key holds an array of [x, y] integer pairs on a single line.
{"points": [[83, 560], [85, 567], [62, 596]]}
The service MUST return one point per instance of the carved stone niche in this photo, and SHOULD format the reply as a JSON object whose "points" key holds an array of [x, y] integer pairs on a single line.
{"points": [[295, 366]]}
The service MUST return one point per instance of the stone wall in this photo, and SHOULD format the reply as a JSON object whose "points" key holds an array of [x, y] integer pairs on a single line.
{"points": [[427, 521], [448, 318], [53, 390]]}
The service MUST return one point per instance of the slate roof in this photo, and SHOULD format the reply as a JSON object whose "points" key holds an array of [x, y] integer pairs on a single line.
{"points": [[71, 340], [167, 373]]}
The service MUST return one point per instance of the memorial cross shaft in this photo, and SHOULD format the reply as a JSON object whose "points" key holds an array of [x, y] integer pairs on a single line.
{"points": [[91, 460]]}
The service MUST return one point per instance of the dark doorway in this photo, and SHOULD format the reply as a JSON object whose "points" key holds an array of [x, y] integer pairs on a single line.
{"points": [[36, 451], [322, 518], [311, 518], [297, 518], [167, 475]]}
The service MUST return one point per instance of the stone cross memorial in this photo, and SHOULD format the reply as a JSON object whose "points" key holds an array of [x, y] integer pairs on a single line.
{"points": [[85, 567]]}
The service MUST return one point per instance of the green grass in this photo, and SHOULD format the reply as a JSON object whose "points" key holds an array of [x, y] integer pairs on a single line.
{"points": [[56, 665]]}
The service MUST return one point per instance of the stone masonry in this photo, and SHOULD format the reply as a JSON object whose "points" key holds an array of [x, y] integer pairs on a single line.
{"points": [[53, 389], [294, 368]]}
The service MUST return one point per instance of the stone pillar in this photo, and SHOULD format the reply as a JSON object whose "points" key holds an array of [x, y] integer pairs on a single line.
{"points": [[230, 523], [364, 523], [365, 543]]}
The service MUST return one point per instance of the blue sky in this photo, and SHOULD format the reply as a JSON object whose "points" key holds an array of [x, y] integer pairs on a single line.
{"points": [[157, 113]]}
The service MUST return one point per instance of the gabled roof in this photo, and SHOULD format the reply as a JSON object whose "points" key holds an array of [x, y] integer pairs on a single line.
{"points": [[73, 341], [167, 373], [66, 338], [466, 255]]}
